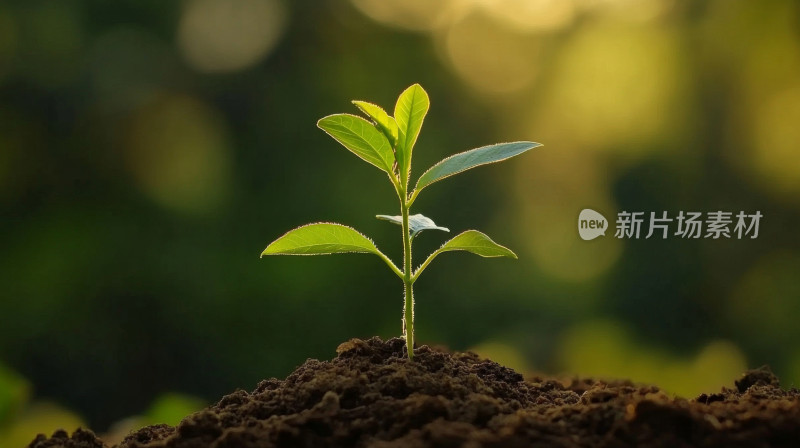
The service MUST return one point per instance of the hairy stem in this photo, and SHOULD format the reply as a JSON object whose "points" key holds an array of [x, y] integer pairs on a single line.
{"points": [[408, 308], [391, 265], [424, 265]]}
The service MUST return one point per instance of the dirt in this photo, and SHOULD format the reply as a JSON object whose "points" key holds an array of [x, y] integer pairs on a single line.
{"points": [[370, 395]]}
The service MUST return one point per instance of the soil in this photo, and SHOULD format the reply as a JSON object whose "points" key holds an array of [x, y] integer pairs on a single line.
{"points": [[370, 395]]}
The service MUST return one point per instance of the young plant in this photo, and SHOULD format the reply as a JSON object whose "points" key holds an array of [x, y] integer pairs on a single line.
{"points": [[387, 143]]}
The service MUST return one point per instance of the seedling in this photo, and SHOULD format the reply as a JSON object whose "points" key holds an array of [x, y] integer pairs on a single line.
{"points": [[387, 143]]}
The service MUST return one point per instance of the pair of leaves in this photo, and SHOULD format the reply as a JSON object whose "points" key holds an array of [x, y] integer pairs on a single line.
{"points": [[387, 140], [330, 238]]}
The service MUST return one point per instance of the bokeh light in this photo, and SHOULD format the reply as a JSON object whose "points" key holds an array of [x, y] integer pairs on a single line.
{"points": [[414, 15], [775, 156], [228, 36], [489, 55], [606, 349], [14, 393], [531, 15], [617, 88], [502, 353], [178, 152], [37, 418], [565, 181], [764, 61], [169, 408], [629, 10]]}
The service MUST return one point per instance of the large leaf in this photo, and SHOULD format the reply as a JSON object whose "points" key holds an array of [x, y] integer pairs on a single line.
{"points": [[472, 158], [361, 138], [382, 120], [321, 239], [409, 113], [416, 223]]}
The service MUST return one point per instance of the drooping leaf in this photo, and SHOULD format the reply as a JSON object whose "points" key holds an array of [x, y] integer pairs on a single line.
{"points": [[416, 223], [361, 138], [321, 239], [472, 158], [382, 120], [409, 113]]}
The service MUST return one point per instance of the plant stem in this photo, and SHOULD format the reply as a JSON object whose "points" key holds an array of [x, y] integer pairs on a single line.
{"points": [[408, 282]]}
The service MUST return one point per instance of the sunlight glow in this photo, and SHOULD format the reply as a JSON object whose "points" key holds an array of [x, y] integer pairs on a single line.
{"points": [[489, 56], [565, 181], [531, 15], [229, 36], [607, 349], [617, 83], [413, 15], [776, 135]]}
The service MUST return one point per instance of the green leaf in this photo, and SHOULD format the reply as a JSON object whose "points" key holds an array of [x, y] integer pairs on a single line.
{"points": [[416, 223], [321, 239], [477, 243], [361, 138], [409, 113], [383, 121], [472, 158], [469, 241], [325, 238]]}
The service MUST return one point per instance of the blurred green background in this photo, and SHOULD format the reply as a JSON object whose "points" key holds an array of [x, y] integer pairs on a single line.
{"points": [[149, 151]]}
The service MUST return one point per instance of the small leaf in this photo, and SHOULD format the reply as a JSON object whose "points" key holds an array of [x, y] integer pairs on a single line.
{"points": [[383, 121], [321, 239], [477, 243], [472, 158], [416, 223], [469, 241], [409, 113], [361, 138]]}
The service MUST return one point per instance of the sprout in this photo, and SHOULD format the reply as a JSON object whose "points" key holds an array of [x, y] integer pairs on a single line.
{"points": [[387, 143]]}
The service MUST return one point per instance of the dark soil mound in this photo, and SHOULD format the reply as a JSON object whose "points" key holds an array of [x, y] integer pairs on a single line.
{"points": [[372, 396]]}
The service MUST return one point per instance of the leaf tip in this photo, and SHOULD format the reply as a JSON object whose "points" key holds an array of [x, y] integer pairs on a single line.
{"points": [[327, 118], [267, 251]]}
